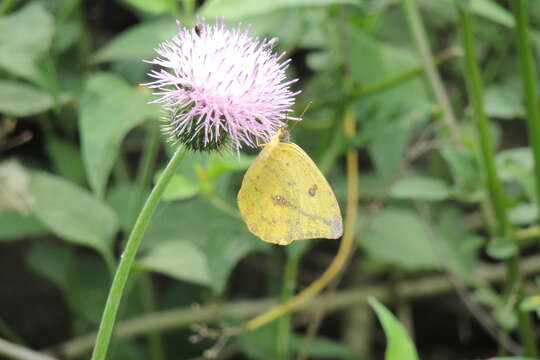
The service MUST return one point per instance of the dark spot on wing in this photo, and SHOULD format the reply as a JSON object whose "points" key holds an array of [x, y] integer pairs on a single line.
{"points": [[312, 191], [279, 200]]}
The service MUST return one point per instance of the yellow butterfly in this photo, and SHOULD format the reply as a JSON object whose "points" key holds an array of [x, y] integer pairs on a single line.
{"points": [[285, 197]]}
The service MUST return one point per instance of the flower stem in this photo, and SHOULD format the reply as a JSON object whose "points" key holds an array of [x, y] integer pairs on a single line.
{"points": [[126, 261], [284, 325], [422, 44], [529, 78], [142, 182], [474, 88]]}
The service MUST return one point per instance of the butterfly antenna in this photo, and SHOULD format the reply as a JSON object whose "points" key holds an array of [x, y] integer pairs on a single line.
{"points": [[306, 108]]}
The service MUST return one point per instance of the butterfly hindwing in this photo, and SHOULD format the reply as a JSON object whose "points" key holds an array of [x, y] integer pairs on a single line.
{"points": [[284, 197]]}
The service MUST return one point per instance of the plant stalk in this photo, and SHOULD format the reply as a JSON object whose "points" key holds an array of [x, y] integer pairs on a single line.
{"points": [[422, 44], [529, 80], [128, 257], [284, 327], [142, 182], [473, 79]]}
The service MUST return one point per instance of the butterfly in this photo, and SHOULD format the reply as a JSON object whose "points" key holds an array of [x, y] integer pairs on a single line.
{"points": [[285, 197]]}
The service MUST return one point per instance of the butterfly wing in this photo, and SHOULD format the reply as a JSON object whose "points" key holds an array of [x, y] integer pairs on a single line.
{"points": [[284, 197]]}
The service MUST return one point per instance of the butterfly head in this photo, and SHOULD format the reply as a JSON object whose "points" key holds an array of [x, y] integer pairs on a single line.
{"points": [[283, 135]]}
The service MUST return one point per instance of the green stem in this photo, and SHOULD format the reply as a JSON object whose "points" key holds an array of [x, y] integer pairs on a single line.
{"points": [[474, 89], [422, 44], [526, 328], [498, 202], [529, 80], [284, 323], [128, 257], [144, 174]]}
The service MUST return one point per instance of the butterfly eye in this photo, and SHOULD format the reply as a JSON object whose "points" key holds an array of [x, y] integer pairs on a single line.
{"points": [[198, 29]]}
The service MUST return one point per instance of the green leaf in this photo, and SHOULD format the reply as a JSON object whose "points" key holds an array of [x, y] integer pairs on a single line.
{"points": [[154, 7], [25, 36], [66, 35], [459, 246], [399, 345], [501, 248], [294, 27], [237, 9], [72, 213], [53, 262], [179, 188], [223, 241], [369, 63], [420, 188], [14, 226], [530, 303], [120, 198], [512, 358], [398, 237], [523, 214], [179, 259], [109, 109], [82, 278], [516, 165], [392, 114], [503, 101], [466, 173], [218, 165], [490, 10], [18, 99], [66, 159], [506, 317], [485, 295], [139, 41]]}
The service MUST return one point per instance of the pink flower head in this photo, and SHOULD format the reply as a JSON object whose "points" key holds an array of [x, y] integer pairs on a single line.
{"points": [[220, 83]]}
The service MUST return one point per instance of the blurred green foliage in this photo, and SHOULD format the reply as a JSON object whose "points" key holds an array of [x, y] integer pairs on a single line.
{"points": [[69, 77]]}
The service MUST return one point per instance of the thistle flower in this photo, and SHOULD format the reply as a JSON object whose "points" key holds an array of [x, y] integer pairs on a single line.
{"points": [[218, 83]]}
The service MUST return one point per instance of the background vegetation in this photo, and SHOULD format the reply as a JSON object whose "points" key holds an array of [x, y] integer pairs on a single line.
{"points": [[448, 199]]}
